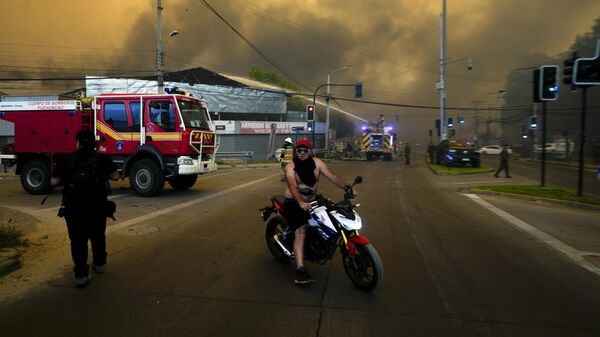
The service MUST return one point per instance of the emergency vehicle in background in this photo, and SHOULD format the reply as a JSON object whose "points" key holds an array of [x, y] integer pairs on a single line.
{"points": [[378, 141], [151, 137]]}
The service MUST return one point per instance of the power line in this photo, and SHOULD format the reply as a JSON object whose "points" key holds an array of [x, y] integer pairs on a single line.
{"points": [[250, 43]]}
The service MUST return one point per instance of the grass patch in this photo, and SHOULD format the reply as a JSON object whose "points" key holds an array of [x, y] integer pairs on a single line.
{"points": [[10, 236], [455, 170], [551, 192]]}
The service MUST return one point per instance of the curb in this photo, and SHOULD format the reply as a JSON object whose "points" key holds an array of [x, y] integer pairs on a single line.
{"points": [[455, 174], [532, 198], [9, 260]]}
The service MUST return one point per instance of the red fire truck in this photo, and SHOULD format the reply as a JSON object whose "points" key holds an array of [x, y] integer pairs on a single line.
{"points": [[151, 137]]}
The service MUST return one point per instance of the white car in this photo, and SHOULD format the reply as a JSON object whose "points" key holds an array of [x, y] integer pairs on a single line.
{"points": [[492, 149]]}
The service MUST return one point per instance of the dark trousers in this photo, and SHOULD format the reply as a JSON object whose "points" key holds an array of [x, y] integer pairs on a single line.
{"points": [[407, 159], [503, 166], [84, 226]]}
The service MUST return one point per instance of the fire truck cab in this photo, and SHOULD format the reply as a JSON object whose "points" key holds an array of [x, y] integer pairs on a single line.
{"points": [[151, 137]]}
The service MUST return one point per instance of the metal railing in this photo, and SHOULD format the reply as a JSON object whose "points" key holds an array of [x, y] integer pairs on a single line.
{"points": [[244, 155]]}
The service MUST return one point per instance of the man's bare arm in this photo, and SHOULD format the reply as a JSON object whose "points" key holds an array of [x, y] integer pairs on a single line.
{"points": [[329, 174]]}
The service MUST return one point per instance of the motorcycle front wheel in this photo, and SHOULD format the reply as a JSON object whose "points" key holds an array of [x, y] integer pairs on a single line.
{"points": [[365, 270], [278, 227]]}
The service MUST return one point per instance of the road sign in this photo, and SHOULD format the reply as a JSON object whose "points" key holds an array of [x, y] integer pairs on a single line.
{"points": [[450, 156]]}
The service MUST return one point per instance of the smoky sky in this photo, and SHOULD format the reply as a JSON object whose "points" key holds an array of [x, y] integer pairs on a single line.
{"points": [[393, 46]]}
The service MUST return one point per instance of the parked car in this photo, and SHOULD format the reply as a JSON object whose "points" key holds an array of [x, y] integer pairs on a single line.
{"points": [[492, 149], [556, 150], [457, 152]]}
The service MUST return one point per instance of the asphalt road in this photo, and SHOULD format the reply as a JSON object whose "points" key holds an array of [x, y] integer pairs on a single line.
{"points": [[196, 264]]}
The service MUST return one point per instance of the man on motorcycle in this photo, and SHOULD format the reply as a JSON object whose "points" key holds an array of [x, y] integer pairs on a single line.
{"points": [[302, 176]]}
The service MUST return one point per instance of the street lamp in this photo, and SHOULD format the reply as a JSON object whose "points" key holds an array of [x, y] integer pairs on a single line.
{"points": [[159, 64], [327, 111]]}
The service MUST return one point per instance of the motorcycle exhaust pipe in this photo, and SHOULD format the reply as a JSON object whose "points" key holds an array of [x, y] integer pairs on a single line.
{"points": [[285, 250]]}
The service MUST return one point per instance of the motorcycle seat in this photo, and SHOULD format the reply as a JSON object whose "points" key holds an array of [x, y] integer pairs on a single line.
{"points": [[278, 199]]}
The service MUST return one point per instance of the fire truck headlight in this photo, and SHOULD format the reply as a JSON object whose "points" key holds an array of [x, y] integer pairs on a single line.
{"points": [[184, 161]]}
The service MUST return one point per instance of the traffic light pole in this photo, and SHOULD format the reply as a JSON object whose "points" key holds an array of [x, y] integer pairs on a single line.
{"points": [[582, 140], [543, 174], [314, 103]]}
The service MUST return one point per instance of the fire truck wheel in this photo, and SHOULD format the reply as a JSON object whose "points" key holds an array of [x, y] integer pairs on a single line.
{"points": [[183, 182], [146, 178], [35, 177]]}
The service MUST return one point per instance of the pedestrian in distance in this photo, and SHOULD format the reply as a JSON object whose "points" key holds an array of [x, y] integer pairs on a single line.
{"points": [[431, 151], [407, 153], [287, 153], [503, 162], [302, 176], [84, 175]]}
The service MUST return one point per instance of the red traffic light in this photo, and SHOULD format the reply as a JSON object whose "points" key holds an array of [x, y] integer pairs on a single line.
{"points": [[310, 112]]}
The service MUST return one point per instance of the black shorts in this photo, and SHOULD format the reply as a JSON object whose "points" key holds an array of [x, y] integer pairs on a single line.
{"points": [[294, 214]]}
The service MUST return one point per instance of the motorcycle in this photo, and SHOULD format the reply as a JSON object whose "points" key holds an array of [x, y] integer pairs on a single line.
{"points": [[331, 225]]}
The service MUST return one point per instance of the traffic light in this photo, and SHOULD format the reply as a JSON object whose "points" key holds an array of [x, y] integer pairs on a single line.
{"points": [[310, 127], [310, 112], [533, 123], [358, 90], [524, 132], [549, 83], [568, 71], [586, 71], [461, 120], [450, 123]]}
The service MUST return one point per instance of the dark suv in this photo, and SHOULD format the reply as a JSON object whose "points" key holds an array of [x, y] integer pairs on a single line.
{"points": [[457, 152]]}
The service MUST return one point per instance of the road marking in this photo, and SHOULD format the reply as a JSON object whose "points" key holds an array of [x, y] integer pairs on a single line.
{"points": [[131, 222], [570, 252]]}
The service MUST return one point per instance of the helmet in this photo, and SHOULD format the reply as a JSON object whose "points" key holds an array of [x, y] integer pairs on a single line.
{"points": [[289, 140], [304, 143]]}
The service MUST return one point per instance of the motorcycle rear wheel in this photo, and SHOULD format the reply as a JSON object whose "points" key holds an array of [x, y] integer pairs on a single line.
{"points": [[366, 270], [277, 226]]}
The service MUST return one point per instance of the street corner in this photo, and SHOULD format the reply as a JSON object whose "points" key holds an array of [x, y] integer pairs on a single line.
{"points": [[10, 260]]}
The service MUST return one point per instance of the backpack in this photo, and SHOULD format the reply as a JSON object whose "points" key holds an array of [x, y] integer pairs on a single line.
{"points": [[83, 177]]}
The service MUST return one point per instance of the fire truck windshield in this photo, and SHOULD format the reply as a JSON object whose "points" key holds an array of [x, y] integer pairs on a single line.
{"points": [[194, 115]]}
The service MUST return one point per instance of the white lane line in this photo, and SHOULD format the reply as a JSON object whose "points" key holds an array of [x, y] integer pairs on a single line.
{"points": [[570, 252], [131, 222]]}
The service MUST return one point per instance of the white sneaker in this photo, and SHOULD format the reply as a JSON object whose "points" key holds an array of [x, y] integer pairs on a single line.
{"points": [[81, 282], [99, 269]]}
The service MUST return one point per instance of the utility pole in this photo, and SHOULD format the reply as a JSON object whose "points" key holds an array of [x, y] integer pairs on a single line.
{"points": [[443, 73], [477, 123], [159, 47]]}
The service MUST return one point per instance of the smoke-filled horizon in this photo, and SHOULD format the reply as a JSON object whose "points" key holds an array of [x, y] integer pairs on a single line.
{"points": [[393, 47]]}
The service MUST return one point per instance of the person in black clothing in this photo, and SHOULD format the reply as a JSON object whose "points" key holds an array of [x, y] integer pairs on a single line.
{"points": [[407, 153], [84, 176], [503, 162], [431, 151]]}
